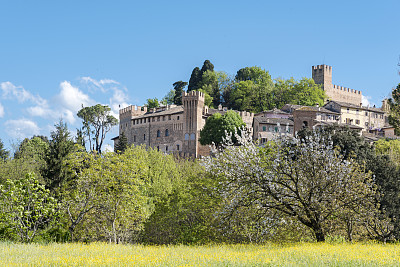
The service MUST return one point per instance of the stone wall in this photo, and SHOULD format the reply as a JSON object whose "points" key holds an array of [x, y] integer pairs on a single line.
{"points": [[322, 74]]}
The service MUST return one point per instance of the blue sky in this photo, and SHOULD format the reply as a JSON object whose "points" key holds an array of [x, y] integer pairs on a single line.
{"points": [[57, 55]]}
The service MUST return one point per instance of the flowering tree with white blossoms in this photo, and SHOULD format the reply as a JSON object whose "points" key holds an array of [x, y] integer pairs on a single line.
{"points": [[307, 181]]}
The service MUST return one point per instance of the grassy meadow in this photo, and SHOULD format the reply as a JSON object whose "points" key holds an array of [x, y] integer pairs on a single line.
{"points": [[102, 254]]}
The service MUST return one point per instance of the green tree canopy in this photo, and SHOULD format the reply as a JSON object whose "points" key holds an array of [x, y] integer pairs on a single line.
{"points": [[122, 144], [394, 102], [152, 103], [195, 79], [217, 126], [26, 206], [61, 144], [252, 91], [168, 99]]}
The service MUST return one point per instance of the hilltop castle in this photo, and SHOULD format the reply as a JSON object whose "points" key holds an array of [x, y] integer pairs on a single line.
{"points": [[176, 129]]}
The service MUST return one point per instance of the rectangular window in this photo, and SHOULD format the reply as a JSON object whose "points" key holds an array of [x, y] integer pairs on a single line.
{"points": [[177, 147], [169, 117], [144, 137], [134, 138], [366, 113], [357, 121], [264, 128]]}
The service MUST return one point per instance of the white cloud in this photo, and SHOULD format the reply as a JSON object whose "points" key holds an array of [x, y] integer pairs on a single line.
{"points": [[103, 85], [21, 128], [117, 101], [366, 101], [10, 91], [119, 98], [1, 111], [41, 111], [72, 98]]}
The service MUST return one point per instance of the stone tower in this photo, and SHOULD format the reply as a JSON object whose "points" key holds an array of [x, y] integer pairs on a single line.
{"points": [[322, 74], [193, 104]]}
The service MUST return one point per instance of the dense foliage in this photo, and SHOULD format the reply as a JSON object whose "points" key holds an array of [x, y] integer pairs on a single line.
{"points": [[218, 126]]}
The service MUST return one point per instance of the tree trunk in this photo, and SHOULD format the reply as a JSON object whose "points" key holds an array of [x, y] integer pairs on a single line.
{"points": [[319, 235]]}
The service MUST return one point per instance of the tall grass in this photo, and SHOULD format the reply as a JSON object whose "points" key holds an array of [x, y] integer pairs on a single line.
{"points": [[101, 254]]}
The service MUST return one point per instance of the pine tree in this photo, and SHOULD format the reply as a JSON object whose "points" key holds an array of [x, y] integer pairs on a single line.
{"points": [[61, 144], [122, 144], [3, 152], [178, 87]]}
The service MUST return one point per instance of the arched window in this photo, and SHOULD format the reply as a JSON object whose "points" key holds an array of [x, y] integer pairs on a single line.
{"points": [[166, 132], [186, 136], [158, 133], [166, 148], [192, 136]]}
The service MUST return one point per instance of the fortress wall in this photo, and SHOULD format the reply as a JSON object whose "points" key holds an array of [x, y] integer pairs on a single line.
{"points": [[344, 94], [322, 74]]}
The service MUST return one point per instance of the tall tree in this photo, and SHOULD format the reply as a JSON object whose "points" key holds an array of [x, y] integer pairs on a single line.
{"points": [[61, 144], [207, 66], [179, 87], [97, 122], [122, 143], [195, 79], [3, 152], [394, 102]]}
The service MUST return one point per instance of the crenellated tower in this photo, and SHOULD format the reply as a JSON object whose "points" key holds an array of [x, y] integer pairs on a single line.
{"points": [[193, 104], [322, 74]]}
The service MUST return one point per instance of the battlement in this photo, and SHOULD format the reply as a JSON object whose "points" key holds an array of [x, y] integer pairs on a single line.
{"points": [[131, 111], [322, 67], [345, 89], [193, 95], [245, 114]]}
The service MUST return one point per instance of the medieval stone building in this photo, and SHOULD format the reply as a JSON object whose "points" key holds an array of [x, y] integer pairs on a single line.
{"points": [[171, 129], [322, 74], [176, 129]]}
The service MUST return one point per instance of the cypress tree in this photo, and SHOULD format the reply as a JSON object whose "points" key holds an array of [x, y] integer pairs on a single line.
{"points": [[195, 79]]}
